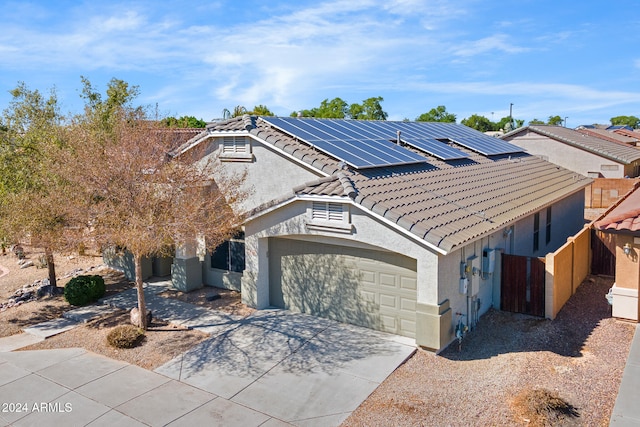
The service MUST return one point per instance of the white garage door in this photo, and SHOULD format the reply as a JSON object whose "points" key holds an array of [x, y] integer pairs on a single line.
{"points": [[375, 289]]}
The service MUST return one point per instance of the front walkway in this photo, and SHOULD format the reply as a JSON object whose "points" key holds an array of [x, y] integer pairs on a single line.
{"points": [[271, 368]]}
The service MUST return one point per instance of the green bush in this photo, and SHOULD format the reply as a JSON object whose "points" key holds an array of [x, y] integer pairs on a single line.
{"points": [[125, 336], [83, 290]]}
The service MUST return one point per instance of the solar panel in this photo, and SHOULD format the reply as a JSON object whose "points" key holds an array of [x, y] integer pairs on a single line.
{"points": [[337, 139], [435, 147], [487, 145]]}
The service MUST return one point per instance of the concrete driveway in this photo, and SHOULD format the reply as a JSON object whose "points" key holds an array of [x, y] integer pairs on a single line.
{"points": [[271, 368]]}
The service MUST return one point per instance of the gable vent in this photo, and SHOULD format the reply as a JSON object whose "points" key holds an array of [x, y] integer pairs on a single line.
{"points": [[327, 211], [232, 144]]}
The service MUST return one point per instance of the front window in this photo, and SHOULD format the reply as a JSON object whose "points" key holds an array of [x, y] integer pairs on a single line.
{"points": [[548, 237], [229, 255]]}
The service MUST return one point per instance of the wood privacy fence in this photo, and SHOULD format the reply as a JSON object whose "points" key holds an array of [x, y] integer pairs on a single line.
{"points": [[523, 285], [566, 268]]}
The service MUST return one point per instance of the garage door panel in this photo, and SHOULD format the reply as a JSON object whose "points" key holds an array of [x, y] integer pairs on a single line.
{"points": [[408, 283], [368, 288], [368, 277], [408, 305], [389, 323], [388, 301], [388, 280]]}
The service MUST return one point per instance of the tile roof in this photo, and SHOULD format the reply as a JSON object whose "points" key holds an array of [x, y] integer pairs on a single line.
{"points": [[635, 134], [625, 216], [334, 185], [609, 135], [444, 203], [615, 151]]}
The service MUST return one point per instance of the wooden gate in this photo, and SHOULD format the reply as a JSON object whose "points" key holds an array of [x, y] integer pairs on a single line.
{"points": [[522, 289], [603, 259]]}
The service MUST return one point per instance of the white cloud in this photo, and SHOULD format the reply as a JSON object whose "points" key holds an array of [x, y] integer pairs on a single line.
{"points": [[496, 42]]}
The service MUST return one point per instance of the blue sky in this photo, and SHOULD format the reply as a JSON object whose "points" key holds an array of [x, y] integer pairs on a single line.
{"points": [[579, 60]]}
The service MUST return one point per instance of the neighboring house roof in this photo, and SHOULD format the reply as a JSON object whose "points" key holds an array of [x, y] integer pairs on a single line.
{"points": [[635, 134], [180, 136], [445, 203], [624, 217], [612, 150], [609, 136]]}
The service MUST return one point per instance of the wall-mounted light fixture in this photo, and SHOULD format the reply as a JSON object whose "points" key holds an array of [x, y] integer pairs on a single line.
{"points": [[626, 248]]}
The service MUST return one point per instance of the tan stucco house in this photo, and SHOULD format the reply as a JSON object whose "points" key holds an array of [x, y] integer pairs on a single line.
{"points": [[374, 224], [585, 153]]}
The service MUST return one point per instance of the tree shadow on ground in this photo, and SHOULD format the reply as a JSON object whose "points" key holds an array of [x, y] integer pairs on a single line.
{"points": [[501, 332], [296, 343], [44, 313]]}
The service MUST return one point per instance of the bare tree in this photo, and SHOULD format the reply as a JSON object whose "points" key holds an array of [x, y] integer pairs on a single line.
{"points": [[133, 195]]}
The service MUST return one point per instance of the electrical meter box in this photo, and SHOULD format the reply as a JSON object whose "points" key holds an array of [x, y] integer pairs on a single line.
{"points": [[488, 261], [464, 285]]}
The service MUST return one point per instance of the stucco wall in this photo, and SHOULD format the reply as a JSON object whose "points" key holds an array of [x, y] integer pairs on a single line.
{"points": [[220, 278], [567, 218], [270, 175], [604, 192], [627, 266], [567, 156]]}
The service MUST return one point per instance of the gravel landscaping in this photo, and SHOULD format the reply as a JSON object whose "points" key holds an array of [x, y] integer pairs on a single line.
{"points": [[579, 357]]}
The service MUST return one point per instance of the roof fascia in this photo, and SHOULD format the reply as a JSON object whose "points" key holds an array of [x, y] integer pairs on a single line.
{"points": [[347, 200]]}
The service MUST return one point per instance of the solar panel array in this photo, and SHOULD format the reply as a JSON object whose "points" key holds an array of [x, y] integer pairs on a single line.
{"points": [[336, 138], [367, 143]]}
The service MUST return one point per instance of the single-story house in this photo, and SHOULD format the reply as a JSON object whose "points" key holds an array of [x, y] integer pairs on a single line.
{"points": [[396, 226], [588, 155], [622, 224]]}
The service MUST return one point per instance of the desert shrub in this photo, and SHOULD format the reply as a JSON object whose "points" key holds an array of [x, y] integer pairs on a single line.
{"points": [[82, 290], [541, 407], [125, 336]]}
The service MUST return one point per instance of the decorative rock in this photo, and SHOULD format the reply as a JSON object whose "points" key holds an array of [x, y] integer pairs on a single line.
{"points": [[46, 290], [27, 264], [135, 316]]}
